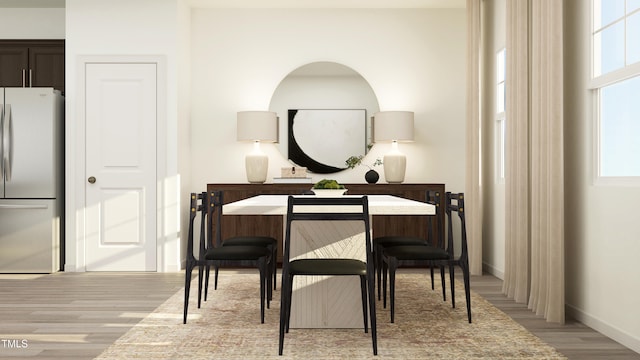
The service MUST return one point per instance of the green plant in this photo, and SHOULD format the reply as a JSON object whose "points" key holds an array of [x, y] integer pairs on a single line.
{"points": [[354, 161], [327, 184]]}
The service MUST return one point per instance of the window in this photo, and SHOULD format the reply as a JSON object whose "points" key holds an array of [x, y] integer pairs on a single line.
{"points": [[616, 82], [500, 115]]}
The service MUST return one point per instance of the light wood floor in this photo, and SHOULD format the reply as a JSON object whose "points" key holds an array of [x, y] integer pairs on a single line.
{"points": [[77, 315]]}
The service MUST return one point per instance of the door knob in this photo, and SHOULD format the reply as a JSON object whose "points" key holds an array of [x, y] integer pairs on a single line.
{"points": [[92, 179]]}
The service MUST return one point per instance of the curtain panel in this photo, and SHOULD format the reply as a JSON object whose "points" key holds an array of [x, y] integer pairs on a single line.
{"points": [[473, 190], [534, 267]]}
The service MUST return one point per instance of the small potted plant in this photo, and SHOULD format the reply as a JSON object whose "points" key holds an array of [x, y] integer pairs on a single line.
{"points": [[328, 187], [370, 176]]}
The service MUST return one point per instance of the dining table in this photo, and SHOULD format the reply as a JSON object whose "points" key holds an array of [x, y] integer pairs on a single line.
{"points": [[327, 301]]}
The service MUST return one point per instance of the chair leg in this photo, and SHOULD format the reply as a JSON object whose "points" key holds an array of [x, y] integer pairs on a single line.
{"points": [[200, 271], [267, 281], [262, 266], [206, 281], [467, 287], [444, 287], [363, 291], [216, 268], [392, 286], [267, 284], [289, 300], [284, 293], [377, 257], [274, 256], [385, 269], [432, 282], [372, 310], [451, 279], [187, 287]]}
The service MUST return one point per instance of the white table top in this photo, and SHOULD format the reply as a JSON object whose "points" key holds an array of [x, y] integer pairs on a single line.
{"points": [[378, 205]]}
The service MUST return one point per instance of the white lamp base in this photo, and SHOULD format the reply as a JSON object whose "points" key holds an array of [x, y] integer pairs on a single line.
{"points": [[256, 165], [395, 165]]}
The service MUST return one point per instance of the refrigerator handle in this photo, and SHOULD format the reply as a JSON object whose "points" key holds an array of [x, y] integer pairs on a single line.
{"points": [[7, 143]]}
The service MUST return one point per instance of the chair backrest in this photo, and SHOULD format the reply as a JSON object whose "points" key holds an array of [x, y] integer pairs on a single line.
{"points": [[215, 199], [327, 208], [435, 238], [455, 204], [197, 205], [312, 208]]}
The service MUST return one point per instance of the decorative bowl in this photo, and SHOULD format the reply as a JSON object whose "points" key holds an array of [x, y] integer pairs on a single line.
{"points": [[329, 192]]}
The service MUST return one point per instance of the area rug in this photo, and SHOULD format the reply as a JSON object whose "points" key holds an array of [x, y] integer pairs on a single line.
{"points": [[227, 326]]}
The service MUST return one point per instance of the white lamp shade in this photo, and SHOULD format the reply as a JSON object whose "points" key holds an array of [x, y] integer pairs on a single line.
{"points": [[393, 126], [258, 126]]}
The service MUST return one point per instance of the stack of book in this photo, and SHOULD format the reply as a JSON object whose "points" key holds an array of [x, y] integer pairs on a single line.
{"points": [[293, 175]]}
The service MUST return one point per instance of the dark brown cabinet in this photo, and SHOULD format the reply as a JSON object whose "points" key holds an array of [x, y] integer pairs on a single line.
{"points": [[270, 225], [32, 63]]}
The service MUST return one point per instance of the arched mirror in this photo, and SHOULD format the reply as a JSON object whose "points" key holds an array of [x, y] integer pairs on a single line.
{"points": [[324, 111]]}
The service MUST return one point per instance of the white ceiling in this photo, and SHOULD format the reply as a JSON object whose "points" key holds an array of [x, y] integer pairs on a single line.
{"points": [[308, 4], [345, 4], [32, 3]]}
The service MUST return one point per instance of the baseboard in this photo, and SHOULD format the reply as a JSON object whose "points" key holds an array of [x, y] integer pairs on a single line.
{"points": [[172, 269], [493, 271], [70, 268], [612, 332]]}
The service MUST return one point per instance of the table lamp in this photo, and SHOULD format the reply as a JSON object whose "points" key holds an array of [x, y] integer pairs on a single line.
{"points": [[393, 126], [257, 126]]}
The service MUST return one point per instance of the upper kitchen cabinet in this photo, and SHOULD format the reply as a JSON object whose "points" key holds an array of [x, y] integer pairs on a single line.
{"points": [[32, 63]]}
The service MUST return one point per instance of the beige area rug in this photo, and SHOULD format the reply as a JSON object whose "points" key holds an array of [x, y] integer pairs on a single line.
{"points": [[228, 327]]}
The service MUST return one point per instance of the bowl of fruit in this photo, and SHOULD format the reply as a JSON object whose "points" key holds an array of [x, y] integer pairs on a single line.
{"points": [[328, 188]]}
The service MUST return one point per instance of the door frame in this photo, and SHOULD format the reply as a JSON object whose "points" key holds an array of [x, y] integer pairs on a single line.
{"points": [[75, 159]]}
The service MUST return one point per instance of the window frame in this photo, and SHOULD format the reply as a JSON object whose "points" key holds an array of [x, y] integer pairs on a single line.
{"points": [[596, 85]]}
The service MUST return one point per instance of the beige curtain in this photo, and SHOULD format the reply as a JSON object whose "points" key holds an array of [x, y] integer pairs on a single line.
{"points": [[516, 276], [473, 192], [534, 268]]}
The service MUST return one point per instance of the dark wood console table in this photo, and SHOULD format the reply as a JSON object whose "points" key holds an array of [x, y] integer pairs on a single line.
{"points": [[273, 226]]}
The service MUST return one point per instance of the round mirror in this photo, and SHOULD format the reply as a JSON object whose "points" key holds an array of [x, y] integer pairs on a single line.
{"points": [[324, 110]]}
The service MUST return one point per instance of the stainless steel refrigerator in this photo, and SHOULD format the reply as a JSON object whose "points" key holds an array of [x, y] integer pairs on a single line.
{"points": [[31, 179]]}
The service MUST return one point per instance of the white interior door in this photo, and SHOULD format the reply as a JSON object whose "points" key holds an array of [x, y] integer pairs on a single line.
{"points": [[121, 113]]}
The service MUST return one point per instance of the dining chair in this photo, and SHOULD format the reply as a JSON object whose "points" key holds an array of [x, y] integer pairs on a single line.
{"points": [[311, 208], [256, 256], [433, 239], [396, 256], [215, 209]]}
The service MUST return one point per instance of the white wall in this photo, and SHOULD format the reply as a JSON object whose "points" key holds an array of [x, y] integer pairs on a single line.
{"points": [[32, 23], [602, 236], [183, 125], [110, 30], [240, 57]]}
